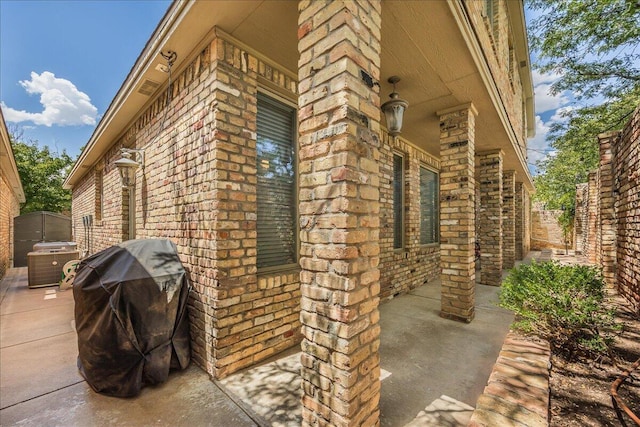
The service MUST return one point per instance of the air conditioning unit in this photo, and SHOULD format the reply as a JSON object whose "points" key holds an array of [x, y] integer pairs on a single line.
{"points": [[55, 246], [45, 268]]}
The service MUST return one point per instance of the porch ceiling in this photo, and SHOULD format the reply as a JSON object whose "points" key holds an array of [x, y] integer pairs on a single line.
{"points": [[424, 45], [421, 43]]}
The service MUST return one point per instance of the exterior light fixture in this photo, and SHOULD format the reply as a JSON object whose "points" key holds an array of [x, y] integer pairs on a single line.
{"points": [[394, 109], [127, 166]]}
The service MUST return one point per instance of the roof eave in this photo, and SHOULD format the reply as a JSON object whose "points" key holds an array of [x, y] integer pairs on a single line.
{"points": [[98, 144], [9, 162], [519, 27]]}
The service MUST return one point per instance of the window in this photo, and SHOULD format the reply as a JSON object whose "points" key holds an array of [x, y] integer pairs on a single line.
{"points": [[429, 196], [491, 13], [398, 201], [512, 66], [277, 203]]}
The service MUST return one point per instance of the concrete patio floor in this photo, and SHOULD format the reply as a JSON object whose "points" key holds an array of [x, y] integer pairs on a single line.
{"points": [[433, 369]]}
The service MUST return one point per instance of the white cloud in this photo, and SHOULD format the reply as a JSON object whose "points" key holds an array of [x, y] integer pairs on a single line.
{"points": [[545, 101], [64, 104], [537, 147], [539, 78], [560, 114]]}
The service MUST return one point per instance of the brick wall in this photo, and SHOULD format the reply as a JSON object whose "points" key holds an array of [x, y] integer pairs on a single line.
{"points": [[592, 216], [489, 172], [521, 225], [527, 215], [404, 269], [584, 221], [9, 208], [580, 218], [626, 186], [113, 227], [457, 212], [607, 215], [495, 39], [508, 219], [340, 211], [198, 189], [546, 232], [609, 220]]}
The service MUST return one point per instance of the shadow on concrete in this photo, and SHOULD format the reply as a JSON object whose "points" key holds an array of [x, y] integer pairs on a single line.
{"points": [[40, 384], [433, 370]]}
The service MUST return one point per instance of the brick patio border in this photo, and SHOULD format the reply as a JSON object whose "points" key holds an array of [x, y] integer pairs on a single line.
{"points": [[517, 393]]}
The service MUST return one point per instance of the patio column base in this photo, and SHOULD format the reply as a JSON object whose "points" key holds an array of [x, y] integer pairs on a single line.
{"points": [[459, 318]]}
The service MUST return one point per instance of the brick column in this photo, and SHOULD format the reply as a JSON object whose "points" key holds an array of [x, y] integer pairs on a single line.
{"points": [[607, 213], [526, 206], [232, 252], [578, 222], [508, 219], [490, 178], [457, 210], [592, 214], [519, 221], [339, 124]]}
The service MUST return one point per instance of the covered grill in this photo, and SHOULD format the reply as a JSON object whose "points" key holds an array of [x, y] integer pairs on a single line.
{"points": [[131, 316]]}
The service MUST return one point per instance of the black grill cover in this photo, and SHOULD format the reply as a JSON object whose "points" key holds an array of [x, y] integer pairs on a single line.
{"points": [[131, 316]]}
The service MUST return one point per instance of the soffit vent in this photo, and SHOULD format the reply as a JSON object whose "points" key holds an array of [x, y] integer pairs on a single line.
{"points": [[148, 87]]}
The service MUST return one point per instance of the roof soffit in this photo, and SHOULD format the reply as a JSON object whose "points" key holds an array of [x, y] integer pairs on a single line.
{"points": [[421, 42]]}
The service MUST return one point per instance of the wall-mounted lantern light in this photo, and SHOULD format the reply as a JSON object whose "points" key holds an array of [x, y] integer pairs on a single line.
{"points": [[127, 166], [394, 109]]}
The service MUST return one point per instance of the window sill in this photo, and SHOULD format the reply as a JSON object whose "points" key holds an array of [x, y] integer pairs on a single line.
{"points": [[430, 245], [278, 270]]}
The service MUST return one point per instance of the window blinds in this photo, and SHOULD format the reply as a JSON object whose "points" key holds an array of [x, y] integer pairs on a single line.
{"points": [[276, 198]]}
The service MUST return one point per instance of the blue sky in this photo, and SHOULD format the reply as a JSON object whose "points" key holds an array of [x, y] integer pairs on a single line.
{"points": [[62, 62]]}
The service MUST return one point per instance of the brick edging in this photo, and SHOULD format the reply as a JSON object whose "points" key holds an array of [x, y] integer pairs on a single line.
{"points": [[517, 393]]}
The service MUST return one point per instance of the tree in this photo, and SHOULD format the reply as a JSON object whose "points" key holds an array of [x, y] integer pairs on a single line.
{"points": [[576, 150], [42, 174], [592, 45]]}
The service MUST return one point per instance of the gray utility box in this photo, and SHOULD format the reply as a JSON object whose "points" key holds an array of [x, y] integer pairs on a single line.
{"points": [[46, 261]]}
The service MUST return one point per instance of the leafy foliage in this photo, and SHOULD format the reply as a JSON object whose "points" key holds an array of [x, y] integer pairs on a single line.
{"points": [[42, 174], [563, 304], [577, 152], [591, 44]]}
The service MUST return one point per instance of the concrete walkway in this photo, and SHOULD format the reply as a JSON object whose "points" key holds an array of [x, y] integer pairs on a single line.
{"points": [[433, 369], [40, 384]]}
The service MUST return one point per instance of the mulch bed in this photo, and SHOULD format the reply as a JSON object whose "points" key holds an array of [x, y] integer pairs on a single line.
{"points": [[580, 390]]}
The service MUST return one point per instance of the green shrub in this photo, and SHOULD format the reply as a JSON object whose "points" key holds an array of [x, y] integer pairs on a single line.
{"points": [[564, 304]]}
